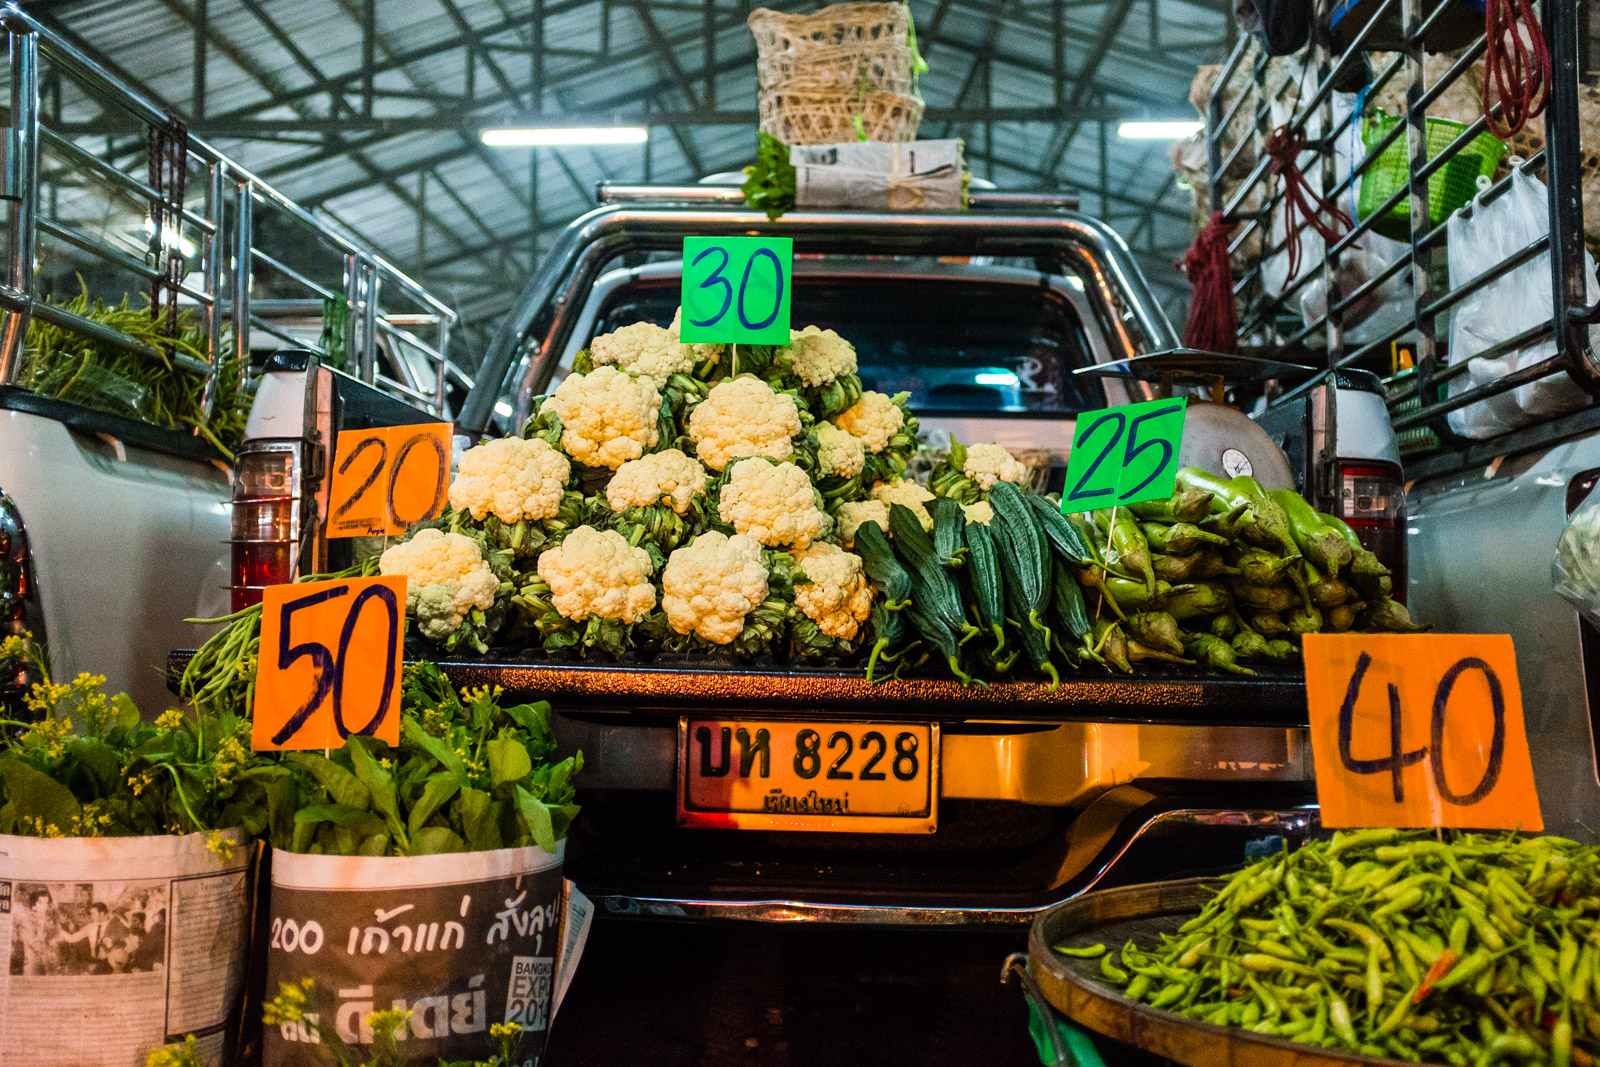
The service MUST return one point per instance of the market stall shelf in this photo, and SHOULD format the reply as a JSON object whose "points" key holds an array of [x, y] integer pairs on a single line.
{"points": [[1143, 913]]}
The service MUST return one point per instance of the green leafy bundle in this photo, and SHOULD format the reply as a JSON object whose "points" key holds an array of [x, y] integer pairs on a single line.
{"points": [[469, 775], [89, 766], [769, 183]]}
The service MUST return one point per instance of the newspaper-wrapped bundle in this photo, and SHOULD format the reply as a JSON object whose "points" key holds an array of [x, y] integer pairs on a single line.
{"points": [[460, 940], [910, 176], [118, 945]]}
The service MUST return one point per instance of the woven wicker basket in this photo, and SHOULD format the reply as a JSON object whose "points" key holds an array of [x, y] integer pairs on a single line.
{"points": [[817, 72], [829, 117]]}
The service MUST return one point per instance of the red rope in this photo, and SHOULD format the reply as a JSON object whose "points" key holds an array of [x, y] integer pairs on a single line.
{"points": [[1517, 70], [1213, 324], [1301, 203]]}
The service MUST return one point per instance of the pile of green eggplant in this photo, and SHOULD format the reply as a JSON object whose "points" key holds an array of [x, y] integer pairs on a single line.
{"points": [[1221, 575]]}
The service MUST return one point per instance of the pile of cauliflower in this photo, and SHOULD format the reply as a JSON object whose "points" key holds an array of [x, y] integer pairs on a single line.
{"points": [[671, 497]]}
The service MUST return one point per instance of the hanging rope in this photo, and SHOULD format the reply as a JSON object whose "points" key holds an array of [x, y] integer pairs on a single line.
{"points": [[1302, 205], [169, 157], [1213, 323], [1517, 67]]}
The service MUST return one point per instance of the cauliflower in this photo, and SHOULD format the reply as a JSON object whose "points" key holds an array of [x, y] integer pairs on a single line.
{"points": [[709, 585], [645, 349], [743, 417], [596, 572], [982, 512], [699, 352], [987, 464], [446, 577], [820, 356], [670, 477], [608, 416], [837, 597], [838, 452], [907, 492], [874, 418], [852, 514], [512, 478], [774, 503]]}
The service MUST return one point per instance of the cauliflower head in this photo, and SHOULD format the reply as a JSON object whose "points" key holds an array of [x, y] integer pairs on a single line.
{"points": [[838, 452], [837, 597], [512, 478], [446, 577], [874, 419], [709, 585], [608, 416], [852, 514], [595, 572], [668, 477], [907, 492], [774, 503], [820, 356], [990, 463], [982, 512], [645, 349], [698, 352], [743, 417]]}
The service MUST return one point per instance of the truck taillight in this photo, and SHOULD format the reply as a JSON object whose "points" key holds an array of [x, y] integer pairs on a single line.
{"points": [[265, 522], [1372, 501]]}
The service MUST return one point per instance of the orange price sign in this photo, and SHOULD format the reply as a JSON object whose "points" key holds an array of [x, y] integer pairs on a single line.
{"points": [[329, 663], [1417, 730], [388, 479]]}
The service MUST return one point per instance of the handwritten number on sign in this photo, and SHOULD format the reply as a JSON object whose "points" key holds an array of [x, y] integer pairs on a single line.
{"points": [[392, 607], [441, 479], [1397, 761], [1078, 491], [777, 289], [322, 661], [372, 476], [1132, 452], [716, 278]]}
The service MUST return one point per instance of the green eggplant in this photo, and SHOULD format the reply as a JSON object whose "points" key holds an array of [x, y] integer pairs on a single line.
{"points": [[1215, 652], [1390, 616], [1257, 566], [1268, 623], [1179, 539], [1265, 597], [1197, 599], [1184, 505], [1305, 619], [1127, 541], [1157, 630], [1107, 640], [1282, 650], [1317, 541]]}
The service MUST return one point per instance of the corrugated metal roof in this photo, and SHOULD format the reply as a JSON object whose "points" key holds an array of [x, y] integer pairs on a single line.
{"points": [[298, 63]]}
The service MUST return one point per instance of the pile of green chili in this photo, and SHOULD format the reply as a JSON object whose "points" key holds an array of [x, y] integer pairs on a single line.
{"points": [[1470, 950]]}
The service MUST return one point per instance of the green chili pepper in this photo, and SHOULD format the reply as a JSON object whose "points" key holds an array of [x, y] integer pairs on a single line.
{"points": [[1111, 972], [1085, 952]]}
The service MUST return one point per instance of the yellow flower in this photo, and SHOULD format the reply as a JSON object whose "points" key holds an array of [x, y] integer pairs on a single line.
{"points": [[386, 763], [504, 1029], [181, 1055], [170, 719], [222, 846], [289, 1006], [388, 1020]]}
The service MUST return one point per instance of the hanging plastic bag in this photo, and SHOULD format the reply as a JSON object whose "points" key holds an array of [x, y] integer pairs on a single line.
{"points": [[1507, 306], [1575, 572]]}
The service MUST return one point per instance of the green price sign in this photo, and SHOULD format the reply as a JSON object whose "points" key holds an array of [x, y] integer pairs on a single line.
{"points": [[736, 289], [1124, 455]]}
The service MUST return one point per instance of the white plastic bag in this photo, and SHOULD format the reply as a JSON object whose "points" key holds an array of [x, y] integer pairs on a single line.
{"points": [[1506, 307], [1575, 572]]}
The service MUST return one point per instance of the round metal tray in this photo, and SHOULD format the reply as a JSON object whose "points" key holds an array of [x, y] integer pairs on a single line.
{"points": [[1142, 913]]}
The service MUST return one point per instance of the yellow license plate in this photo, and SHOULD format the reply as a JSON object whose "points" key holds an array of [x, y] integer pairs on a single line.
{"points": [[869, 777]]}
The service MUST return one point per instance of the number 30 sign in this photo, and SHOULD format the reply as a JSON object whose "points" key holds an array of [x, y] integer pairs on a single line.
{"points": [[1419, 730], [736, 289]]}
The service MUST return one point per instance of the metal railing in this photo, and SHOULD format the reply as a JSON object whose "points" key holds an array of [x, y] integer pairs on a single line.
{"points": [[387, 346], [1239, 110]]}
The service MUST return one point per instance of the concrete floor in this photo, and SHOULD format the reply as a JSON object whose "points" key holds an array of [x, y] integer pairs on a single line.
{"points": [[765, 995]]}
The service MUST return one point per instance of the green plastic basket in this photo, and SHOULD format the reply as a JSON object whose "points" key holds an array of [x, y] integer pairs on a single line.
{"points": [[1449, 187]]}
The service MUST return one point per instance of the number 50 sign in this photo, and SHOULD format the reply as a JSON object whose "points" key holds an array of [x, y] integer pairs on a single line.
{"points": [[330, 663], [1419, 730]]}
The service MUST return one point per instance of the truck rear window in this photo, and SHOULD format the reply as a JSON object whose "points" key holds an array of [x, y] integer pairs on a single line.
{"points": [[955, 345]]}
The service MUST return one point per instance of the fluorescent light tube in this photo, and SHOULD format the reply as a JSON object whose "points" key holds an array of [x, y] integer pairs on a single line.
{"points": [[1157, 130], [565, 135]]}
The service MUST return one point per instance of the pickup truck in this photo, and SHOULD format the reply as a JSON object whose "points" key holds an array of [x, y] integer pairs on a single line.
{"points": [[1003, 323]]}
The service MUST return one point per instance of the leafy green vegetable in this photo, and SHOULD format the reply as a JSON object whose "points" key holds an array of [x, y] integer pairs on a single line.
{"points": [[89, 766], [469, 775], [769, 183]]}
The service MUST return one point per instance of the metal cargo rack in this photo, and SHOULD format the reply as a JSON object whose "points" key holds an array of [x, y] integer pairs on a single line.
{"points": [[58, 177], [1241, 100]]}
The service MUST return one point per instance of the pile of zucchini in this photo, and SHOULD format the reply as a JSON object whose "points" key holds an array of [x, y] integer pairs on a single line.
{"points": [[1223, 573]]}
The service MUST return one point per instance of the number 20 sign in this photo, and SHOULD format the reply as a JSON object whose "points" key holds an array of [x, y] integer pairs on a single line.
{"points": [[329, 663], [386, 480], [1424, 730]]}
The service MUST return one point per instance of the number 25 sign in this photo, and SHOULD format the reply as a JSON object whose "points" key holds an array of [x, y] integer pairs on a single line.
{"points": [[330, 663], [1416, 730]]}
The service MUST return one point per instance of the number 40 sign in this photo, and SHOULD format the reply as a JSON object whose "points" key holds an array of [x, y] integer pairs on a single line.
{"points": [[1415, 730]]}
